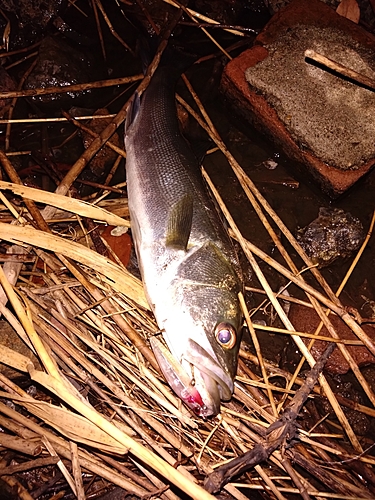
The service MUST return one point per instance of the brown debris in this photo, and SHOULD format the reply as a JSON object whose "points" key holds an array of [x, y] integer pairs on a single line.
{"points": [[307, 320]]}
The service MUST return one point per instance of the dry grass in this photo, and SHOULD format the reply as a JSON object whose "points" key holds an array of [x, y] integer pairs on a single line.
{"points": [[103, 408]]}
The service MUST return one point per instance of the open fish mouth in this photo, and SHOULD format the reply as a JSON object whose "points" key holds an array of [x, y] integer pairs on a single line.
{"points": [[198, 380]]}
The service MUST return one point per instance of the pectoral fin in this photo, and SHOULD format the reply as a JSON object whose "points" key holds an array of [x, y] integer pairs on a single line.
{"points": [[179, 223]]}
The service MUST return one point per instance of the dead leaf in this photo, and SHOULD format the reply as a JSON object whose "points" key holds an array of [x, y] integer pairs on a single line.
{"points": [[120, 243], [350, 10]]}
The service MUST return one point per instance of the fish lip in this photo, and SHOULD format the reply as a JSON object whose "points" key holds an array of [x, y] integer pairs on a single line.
{"points": [[178, 379], [212, 401], [204, 387], [210, 370]]}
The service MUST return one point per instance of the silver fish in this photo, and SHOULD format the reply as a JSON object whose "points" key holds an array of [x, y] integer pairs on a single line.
{"points": [[188, 264]]}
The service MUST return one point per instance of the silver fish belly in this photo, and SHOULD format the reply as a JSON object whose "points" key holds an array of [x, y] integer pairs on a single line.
{"points": [[188, 264]]}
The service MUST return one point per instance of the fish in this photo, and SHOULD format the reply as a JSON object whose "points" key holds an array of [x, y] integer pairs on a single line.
{"points": [[189, 267]]}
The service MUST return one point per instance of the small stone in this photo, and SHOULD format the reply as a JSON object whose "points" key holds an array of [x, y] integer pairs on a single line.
{"points": [[333, 234]]}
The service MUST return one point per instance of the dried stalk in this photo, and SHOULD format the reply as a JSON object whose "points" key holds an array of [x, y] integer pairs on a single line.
{"points": [[63, 202], [79, 87], [259, 353], [252, 192], [246, 247], [111, 28], [99, 142], [279, 433], [340, 69], [93, 134], [91, 330]]}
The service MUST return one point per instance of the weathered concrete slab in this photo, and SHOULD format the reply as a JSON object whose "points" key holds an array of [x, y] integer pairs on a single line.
{"points": [[326, 124]]}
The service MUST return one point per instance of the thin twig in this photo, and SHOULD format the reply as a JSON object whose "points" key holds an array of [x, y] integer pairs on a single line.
{"points": [[79, 87], [279, 433], [93, 134], [340, 69], [111, 28]]}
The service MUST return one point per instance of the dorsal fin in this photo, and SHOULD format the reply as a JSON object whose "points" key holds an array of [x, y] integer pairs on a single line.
{"points": [[132, 111], [179, 223]]}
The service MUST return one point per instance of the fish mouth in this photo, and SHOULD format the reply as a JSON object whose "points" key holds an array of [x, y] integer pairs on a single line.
{"points": [[198, 380]]}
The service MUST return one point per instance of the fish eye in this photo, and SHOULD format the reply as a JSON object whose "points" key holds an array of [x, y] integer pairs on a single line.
{"points": [[226, 335]]}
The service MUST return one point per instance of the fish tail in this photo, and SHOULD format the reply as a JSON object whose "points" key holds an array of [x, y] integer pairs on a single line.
{"points": [[176, 59], [146, 49]]}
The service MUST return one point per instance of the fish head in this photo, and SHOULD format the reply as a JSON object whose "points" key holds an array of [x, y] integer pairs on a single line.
{"points": [[200, 386], [201, 374], [203, 332]]}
